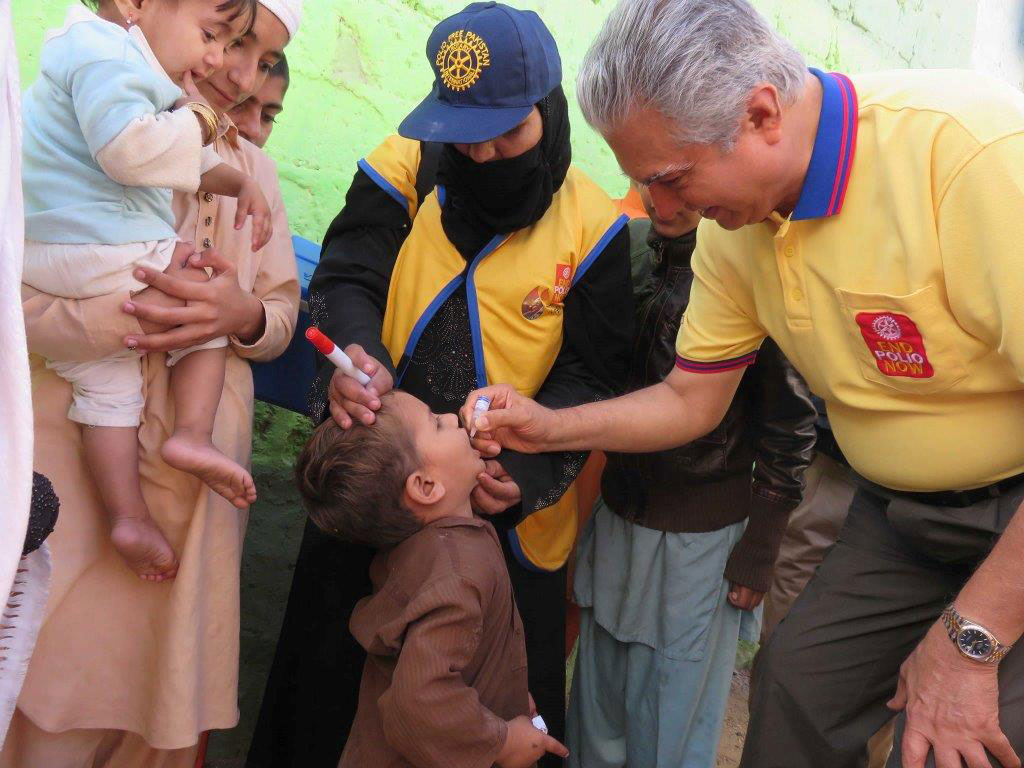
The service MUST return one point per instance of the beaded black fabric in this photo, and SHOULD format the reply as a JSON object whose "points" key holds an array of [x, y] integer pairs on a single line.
{"points": [[442, 363], [42, 514]]}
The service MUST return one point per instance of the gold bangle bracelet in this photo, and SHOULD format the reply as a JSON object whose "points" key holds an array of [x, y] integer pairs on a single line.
{"points": [[211, 129], [206, 130], [203, 110], [208, 119]]}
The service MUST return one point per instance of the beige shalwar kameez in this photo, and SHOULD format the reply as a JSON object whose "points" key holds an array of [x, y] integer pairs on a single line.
{"points": [[158, 662]]}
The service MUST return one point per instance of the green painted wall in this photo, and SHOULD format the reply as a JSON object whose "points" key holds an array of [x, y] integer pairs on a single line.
{"points": [[358, 66]]}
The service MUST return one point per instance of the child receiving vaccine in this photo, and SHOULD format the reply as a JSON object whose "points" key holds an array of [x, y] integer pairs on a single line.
{"points": [[444, 683], [108, 134]]}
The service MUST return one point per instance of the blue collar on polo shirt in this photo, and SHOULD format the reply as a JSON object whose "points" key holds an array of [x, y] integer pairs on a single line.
{"points": [[828, 173]]}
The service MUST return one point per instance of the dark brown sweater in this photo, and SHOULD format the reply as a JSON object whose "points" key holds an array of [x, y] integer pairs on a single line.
{"points": [[446, 665], [750, 467]]}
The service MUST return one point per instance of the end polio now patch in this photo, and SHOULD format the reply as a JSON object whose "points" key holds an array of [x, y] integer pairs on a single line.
{"points": [[896, 344]]}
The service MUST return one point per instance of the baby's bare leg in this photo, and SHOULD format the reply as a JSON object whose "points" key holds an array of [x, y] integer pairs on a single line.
{"points": [[197, 381], [113, 457], [107, 402]]}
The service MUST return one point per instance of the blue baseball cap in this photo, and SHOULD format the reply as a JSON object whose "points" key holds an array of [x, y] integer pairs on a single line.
{"points": [[492, 64]]}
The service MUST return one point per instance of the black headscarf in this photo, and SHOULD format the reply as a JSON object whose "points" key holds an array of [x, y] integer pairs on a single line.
{"points": [[502, 196]]}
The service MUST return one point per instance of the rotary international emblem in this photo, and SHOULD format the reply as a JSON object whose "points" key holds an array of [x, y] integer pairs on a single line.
{"points": [[461, 58], [895, 344], [887, 327]]}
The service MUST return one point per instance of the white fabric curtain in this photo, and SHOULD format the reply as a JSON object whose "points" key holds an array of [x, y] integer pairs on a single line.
{"points": [[15, 393], [24, 611]]}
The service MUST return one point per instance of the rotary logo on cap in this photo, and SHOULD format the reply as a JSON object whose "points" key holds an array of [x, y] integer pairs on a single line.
{"points": [[461, 58], [492, 65]]}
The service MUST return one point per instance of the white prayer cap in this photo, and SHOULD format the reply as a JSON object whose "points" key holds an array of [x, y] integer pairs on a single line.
{"points": [[288, 11]]}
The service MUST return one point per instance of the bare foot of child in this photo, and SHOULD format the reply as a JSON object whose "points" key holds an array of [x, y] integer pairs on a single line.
{"points": [[200, 458], [143, 546]]}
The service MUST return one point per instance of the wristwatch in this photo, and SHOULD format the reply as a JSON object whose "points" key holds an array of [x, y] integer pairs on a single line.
{"points": [[972, 639]]}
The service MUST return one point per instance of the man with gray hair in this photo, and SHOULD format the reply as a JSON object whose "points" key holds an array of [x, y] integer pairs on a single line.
{"points": [[871, 226]]}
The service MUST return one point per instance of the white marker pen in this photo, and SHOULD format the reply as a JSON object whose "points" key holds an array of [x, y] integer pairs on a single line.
{"points": [[333, 353], [480, 407]]}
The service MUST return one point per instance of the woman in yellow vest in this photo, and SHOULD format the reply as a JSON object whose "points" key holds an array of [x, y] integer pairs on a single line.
{"points": [[469, 251]]}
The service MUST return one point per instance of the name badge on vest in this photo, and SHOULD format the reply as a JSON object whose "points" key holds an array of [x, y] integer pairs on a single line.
{"points": [[543, 299]]}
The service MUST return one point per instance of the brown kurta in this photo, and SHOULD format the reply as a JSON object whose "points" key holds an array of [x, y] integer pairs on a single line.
{"points": [[446, 663], [116, 652]]}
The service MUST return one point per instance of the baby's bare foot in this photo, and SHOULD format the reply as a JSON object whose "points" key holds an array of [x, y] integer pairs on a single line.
{"points": [[143, 546], [201, 459]]}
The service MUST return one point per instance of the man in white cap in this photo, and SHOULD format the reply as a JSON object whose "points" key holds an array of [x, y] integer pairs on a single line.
{"points": [[288, 12], [126, 673], [248, 65]]}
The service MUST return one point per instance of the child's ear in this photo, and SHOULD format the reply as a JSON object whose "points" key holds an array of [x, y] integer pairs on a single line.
{"points": [[423, 489], [128, 8]]}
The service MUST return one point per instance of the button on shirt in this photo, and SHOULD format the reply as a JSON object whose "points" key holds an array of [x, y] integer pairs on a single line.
{"points": [[205, 218], [895, 286]]}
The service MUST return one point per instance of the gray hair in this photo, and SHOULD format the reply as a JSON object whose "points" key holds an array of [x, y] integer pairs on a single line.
{"points": [[693, 61]]}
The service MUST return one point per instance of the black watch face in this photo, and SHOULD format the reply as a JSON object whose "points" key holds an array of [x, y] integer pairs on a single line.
{"points": [[974, 643]]}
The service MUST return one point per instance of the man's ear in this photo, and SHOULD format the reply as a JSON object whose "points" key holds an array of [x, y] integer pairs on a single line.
{"points": [[764, 113], [423, 490]]}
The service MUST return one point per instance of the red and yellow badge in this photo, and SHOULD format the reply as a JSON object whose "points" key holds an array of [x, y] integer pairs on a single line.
{"points": [[563, 279], [543, 299], [896, 344]]}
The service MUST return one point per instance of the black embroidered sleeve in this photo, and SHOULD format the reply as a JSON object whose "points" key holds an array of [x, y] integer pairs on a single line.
{"points": [[349, 289]]}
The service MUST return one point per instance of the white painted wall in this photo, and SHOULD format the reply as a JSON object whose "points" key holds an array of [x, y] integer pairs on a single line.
{"points": [[999, 40]]}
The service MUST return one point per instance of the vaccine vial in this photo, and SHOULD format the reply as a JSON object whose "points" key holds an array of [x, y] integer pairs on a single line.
{"points": [[480, 407]]}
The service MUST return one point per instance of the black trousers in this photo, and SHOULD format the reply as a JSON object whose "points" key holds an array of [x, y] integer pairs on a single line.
{"points": [[826, 673], [312, 691]]}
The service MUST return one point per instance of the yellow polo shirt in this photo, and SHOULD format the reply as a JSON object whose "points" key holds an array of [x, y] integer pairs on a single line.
{"points": [[896, 287]]}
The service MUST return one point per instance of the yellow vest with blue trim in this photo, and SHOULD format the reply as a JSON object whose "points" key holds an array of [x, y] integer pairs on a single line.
{"points": [[515, 288]]}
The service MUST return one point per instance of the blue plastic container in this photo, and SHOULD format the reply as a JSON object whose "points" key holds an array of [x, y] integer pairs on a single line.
{"points": [[285, 381]]}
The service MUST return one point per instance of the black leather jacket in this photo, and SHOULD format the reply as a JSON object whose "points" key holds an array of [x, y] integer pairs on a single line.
{"points": [[750, 466]]}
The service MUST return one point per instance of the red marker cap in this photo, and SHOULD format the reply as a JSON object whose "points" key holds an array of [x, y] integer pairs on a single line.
{"points": [[321, 342]]}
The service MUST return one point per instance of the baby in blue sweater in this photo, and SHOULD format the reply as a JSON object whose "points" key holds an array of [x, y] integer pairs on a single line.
{"points": [[108, 134]]}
